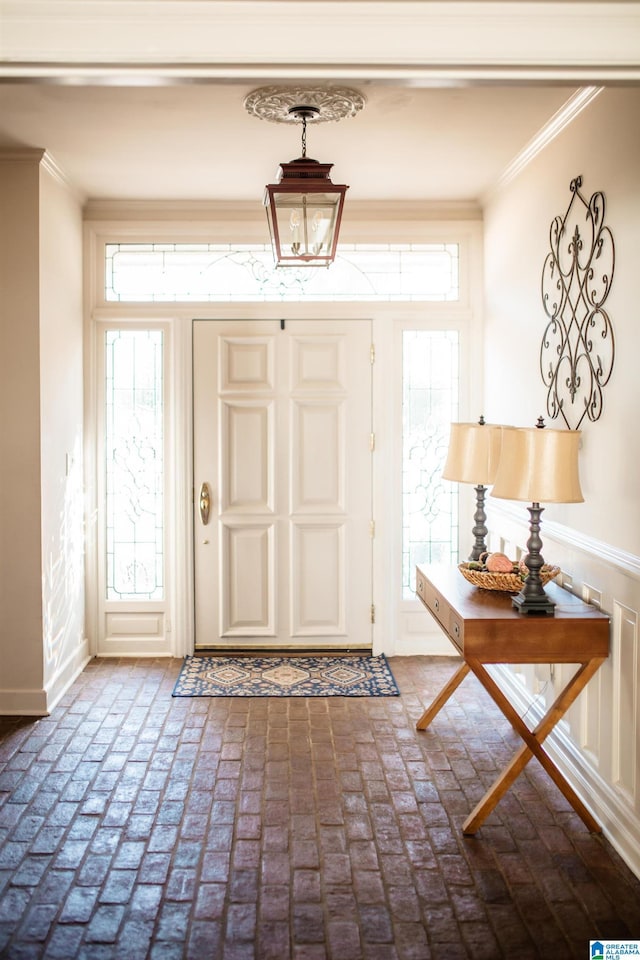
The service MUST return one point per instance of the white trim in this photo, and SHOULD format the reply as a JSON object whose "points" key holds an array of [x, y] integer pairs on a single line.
{"points": [[66, 673], [182, 590], [23, 703], [99, 608], [403, 217], [47, 163], [178, 316], [134, 647], [626, 563], [419, 75], [26, 154], [51, 166], [555, 126], [420, 39], [90, 421]]}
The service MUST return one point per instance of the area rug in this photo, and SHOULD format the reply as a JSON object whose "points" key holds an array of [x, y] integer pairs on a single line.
{"points": [[286, 677]]}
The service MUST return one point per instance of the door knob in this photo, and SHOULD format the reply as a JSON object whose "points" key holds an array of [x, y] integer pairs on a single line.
{"points": [[205, 503]]}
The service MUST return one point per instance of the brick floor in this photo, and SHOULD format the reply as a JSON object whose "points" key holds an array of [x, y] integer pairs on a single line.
{"points": [[133, 825]]}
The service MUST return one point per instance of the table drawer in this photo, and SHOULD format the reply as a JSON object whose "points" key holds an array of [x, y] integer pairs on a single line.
{"points": [[441, 610], [432, 600], [424, 590]]}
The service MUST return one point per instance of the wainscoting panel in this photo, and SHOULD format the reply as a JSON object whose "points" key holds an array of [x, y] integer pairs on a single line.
{"points": [[597, 744], [625, 739]]}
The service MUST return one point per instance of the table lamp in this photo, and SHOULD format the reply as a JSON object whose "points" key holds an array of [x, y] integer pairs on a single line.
{"points": [[537, 465], [474, 453]]}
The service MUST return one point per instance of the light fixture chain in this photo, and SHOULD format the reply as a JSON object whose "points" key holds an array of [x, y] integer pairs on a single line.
{"points": [[304, 137]]}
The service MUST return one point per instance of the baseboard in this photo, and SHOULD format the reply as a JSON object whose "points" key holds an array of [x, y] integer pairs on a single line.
{"points": [[71, 668], [135, 647], [620, 825], [40, 703], [23, 703]]}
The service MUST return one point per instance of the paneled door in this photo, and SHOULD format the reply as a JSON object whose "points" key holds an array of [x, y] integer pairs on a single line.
{"points": [[282, 485]]}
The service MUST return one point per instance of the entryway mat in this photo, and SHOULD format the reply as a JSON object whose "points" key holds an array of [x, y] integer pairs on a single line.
{"points": [[286, 677]]}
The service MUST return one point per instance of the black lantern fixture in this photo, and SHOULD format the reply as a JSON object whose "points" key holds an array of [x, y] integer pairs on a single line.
{"points": [[304, 208]]}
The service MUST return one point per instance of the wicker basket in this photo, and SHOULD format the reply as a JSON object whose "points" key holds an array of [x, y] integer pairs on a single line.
{"points": [[508, 582]]}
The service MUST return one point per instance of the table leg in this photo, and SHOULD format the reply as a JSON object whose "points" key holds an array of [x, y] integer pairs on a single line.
{"points": [[532, 746], [443, 696]]}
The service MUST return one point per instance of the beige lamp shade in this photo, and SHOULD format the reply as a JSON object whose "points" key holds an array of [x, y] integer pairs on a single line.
{"points": [[474, 453], [539, 466]]}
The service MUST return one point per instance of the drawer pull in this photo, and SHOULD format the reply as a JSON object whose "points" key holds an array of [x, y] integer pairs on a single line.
{"points": [[420, 586], [456, 630], [436, 604]]}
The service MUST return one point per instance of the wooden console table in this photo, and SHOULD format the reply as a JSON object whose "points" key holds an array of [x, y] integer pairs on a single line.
{"points": [[485, 628]]}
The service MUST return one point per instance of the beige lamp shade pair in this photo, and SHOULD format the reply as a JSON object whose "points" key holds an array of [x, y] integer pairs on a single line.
{"points": [[521, 463], [534, 464]]}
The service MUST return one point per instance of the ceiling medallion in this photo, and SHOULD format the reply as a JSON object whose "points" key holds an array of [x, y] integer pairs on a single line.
{"points": [[277, 104], [304, 207]]}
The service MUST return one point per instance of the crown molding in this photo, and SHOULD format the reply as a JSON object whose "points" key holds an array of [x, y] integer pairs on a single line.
{"points": [[50, 165], [22, 154], [562, 119], [251, 211], [46, 162]]}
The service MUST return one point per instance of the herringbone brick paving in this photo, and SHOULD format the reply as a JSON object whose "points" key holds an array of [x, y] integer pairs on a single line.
{"points": [[133, 825]]}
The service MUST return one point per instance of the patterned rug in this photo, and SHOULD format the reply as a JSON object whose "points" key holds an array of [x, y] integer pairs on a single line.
{"points": [[286, 677]]}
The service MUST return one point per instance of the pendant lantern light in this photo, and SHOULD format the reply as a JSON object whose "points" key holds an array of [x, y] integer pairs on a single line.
{"points": [[304, 208]]}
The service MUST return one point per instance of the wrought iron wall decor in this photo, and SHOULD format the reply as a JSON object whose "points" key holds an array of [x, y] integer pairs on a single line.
{"points": [[578, 348]]}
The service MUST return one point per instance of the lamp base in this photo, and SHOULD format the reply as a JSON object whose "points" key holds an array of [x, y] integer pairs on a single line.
{"points": [[538, 604], [532, 598], [479, 529]]}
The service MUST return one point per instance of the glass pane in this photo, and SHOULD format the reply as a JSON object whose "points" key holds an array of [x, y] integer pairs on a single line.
{"points": [[134, 455], [161, 272], [429, 405]]}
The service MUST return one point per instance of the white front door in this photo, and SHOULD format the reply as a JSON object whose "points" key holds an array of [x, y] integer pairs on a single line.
{"points": [[282, 462]]}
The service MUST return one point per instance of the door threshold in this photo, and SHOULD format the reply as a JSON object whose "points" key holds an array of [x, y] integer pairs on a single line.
{"points": [[216, 650]]}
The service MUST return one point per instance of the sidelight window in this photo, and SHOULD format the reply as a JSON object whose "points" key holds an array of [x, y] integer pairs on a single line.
{"points": [[133, 464], [430, 382]]}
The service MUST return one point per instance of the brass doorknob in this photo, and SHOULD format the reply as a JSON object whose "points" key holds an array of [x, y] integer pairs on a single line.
{"points": [[205, 503]]}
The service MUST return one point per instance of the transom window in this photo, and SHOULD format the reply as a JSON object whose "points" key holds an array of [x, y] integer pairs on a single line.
{"points": [[219, 272]]}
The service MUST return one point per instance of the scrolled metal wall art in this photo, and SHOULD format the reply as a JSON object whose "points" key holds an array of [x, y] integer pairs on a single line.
{"points": [[578, 349]]}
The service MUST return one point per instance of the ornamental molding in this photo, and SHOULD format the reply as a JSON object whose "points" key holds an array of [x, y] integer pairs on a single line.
{"points": [[277, 104]]}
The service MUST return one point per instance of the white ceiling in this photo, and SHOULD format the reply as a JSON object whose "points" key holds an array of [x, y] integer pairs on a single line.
{"points": [[195, 141]]}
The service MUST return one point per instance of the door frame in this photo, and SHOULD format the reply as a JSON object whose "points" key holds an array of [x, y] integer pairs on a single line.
{"points": [[392, 633]]}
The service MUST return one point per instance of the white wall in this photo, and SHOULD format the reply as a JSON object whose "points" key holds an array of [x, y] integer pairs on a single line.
{"points": [[61, 384], [597, 543], [603, 145], [41, 555]]}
